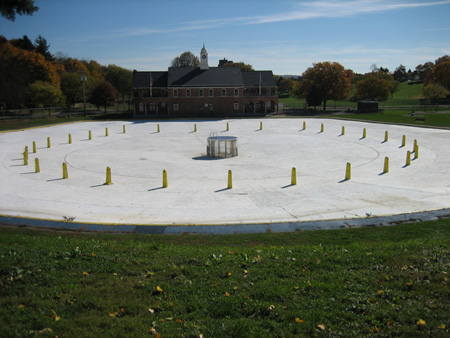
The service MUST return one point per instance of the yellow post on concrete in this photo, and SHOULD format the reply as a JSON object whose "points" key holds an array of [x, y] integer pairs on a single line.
{"points": [[294, 177], [343, 130], [123, 129], [415, 145], [348, 171], [230, 180], [25, 158], [408, 158], [304, 125], [37, 168], [70, 138], [106, 131], [65, 172], [34, 146], [228, 126], [108, 176], [260, 125], [386, 136], [386, 165], [195, 127], [90, 135], [157, 129], [404, 140], [416, 151], [48, 142], [322, 128], [364, 133], [26, 150], [165, 183]]}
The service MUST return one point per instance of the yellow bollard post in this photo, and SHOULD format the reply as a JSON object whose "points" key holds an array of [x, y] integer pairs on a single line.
{"points": [[408, 158], [294, 176], [34, 146], [230, 180], [195, 127], [228, 126], [64, 169], [25, 158], [26, 151], [108, 176], [260, 125], [157, 129], [348, 171], [322, 128], [70, 138], [165, 183], [90, 135], [343, 130], [304, 125], [416, 151], [386, 136], [106, 131], [386, 165], [415, 145], [37, 168], [123, 129], [404, 140], [364, 133], [48, 142]]}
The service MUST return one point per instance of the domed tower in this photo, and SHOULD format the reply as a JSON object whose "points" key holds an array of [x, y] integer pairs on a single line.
{"points": [[204, 58]]}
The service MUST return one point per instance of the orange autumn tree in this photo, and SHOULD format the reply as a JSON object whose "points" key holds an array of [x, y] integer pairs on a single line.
{"points": [[19, 68], [325, 81]]}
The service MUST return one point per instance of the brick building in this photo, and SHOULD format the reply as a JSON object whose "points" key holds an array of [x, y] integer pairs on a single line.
{"points": [[204, 91]]}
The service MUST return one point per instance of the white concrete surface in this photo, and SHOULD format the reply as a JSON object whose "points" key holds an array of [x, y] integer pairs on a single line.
{"points": [[197, 191]]}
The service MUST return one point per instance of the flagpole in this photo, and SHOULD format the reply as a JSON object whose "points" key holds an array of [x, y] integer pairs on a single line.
{"points": [[151, 84]]}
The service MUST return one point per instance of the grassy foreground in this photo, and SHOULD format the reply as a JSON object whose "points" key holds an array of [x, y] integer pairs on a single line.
{"points": [[384, 281]]}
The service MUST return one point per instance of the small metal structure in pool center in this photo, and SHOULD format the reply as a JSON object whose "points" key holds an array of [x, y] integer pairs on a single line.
{"points": [[222, 146]]}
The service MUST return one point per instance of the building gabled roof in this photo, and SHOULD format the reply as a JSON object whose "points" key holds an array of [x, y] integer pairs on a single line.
{"points": [[142, 79], [258, 77], [212, 77], [196, 77]]}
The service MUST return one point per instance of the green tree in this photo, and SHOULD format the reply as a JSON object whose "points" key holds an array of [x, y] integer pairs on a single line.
{"points": [[44, 94], [244, 66], [400, 74], [434, 92], [121, 79], [375, 86], [103, 95], [72, 88], [42, 47], [186, 59], [9, 8], [325, 81], [424, 71], [23, 43], [285, 86]]}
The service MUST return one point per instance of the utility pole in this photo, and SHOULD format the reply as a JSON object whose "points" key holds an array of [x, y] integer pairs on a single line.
{"points": [[83, 79]]}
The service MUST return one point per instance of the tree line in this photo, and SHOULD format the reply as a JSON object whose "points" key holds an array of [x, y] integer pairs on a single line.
{"points": [[326, 81], [31, 77]]}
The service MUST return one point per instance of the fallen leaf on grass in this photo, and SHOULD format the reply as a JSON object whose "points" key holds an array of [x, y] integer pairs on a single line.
{"points": [[421, 322], [21, 306], [227, 294], [113, 314], [298, 320], [85, 273], [159, 289], [321, 326], [46, 330], [151, 310]]}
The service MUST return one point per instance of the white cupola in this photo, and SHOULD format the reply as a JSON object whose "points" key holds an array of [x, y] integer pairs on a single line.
{"points": [[204, 58]]}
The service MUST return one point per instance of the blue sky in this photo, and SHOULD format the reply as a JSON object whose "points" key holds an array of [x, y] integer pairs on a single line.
{"points": [[285, 36]]}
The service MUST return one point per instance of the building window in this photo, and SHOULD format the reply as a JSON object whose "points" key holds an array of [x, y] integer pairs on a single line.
{"points": [[188, 92], [211, 107], [224, 92], [236, 92], [175, 106], [152, 106], [141, 107], [211, 92], [200, 93], [175, 93], [236, 106]]}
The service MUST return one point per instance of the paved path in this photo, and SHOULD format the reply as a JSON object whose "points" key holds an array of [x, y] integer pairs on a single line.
{"points": [[197, 194]]}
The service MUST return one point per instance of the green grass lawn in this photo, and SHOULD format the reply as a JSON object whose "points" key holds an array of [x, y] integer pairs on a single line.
{"points": [[376, 281]]}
